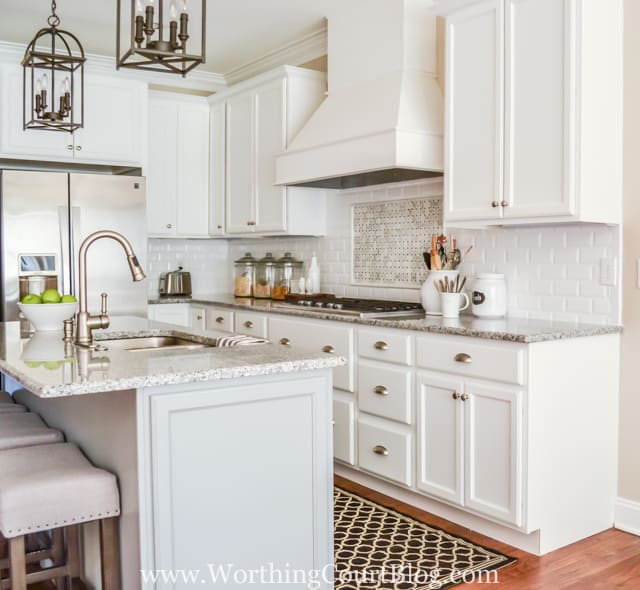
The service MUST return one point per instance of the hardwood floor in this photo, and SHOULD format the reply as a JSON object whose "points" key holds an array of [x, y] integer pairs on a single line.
{"points": [[608, 561]]}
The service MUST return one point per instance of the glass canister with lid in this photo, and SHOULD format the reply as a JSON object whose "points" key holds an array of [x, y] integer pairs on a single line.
{"points": [[244, 275], [288, 272], [265, 277]]}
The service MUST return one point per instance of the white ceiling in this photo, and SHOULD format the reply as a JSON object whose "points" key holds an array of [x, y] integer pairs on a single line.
{"points": [[238, 31]]}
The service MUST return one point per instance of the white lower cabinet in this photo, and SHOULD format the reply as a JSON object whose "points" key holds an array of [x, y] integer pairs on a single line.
{"points": [[385, 448], [170, 313], [344, 428], [219, 319], [197, 317], [251, 324], [470, 444]]}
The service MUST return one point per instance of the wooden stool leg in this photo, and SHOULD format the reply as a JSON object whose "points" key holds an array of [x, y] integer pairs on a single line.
{"points": [[57, 555], [17, 563], [109, 554], [73, 552]]}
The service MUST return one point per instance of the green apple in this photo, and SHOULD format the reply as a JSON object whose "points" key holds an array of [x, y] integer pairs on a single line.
{"points": [[32, 364], [51, 296], [31, 298], [68, 299], [52, 365]]}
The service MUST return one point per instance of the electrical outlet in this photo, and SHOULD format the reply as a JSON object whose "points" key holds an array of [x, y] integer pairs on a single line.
{"points": [[609, 272]]}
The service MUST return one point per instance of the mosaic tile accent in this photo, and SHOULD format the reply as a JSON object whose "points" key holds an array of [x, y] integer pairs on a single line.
{"points": [[389, 239]]}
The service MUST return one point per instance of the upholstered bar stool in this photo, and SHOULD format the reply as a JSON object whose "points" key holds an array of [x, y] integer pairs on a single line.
{"points": [[53, 487], [24, 430], [7, 405]]}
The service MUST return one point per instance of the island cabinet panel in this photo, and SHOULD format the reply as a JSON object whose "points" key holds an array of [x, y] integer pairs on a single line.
{"points": [[241, 474]]}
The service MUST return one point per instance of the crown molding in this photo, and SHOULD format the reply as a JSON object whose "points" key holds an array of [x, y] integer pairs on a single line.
{"points": [[295, 53]]}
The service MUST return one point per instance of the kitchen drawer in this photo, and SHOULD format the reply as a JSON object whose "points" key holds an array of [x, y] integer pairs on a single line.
{"points": [[385, 391], [473, 357], [385, 448], [344, 431], [384, 345], [251, 324], [219, 319], [197, 318], [322, 336], [170, 313]]}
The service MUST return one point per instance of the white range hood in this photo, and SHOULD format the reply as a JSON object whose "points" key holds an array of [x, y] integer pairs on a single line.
{"points": [[382, 120]]}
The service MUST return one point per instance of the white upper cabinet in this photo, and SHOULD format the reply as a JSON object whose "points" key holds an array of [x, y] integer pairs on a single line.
{"points": [[533, 111], [114, 123], [262, 116], [217, 175], [178, 171]]}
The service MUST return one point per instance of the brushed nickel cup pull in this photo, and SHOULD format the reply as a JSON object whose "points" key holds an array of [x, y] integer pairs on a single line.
{"points": [[198, 317], [248, 324], [219, 227], [220, 320], [462, 357], [251, 223], [504, 203], [455, 395], [464, 397], [380, 345], [380, 390], [285, 341], [380, 450], [495, 204], [328, 349]]}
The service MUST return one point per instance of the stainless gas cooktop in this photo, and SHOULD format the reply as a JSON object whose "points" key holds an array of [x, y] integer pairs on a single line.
{"points": [[363, 308]]}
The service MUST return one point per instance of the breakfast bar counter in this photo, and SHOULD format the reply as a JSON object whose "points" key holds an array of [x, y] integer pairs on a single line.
{"points": [[223, 454]]}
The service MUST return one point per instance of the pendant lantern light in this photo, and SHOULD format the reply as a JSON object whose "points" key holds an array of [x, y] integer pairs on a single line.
{"points": [[161, 35], [53, 79]]}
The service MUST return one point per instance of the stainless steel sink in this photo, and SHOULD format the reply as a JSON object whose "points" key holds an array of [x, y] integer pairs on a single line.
{"points": [[152, 343]]}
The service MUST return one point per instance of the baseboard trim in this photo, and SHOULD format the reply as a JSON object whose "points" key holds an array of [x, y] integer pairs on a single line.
{"points": [[627, 516]]}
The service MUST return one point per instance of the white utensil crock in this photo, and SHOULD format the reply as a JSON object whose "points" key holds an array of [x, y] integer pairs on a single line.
{"points": [[429, 295]]}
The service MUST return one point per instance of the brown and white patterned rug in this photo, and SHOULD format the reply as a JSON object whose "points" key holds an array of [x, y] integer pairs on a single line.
{"points": [[379, 548]]}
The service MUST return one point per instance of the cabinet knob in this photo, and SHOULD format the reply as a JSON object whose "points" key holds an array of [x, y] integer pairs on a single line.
{"points": [[220, 320], [69, 147], [219, 227], [285, 341], [251, 223], [464, 397], [463, 357], [495, 204], [504, 203], [198, 317], [328, 349], [248, 324], [380, 450], [380, 390], [169, 226], [78, 148], [455, 395], [380, 345]]}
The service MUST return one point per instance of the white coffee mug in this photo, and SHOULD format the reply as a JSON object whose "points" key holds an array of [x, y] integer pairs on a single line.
{"points": [[451, 304]]}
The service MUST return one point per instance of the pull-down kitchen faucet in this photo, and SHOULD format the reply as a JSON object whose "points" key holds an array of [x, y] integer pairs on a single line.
{"points": [[86, 322]]}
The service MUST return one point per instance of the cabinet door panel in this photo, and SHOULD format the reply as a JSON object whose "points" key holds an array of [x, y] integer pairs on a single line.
{"points": [[217, 180], [440, 437], [474, 112], [193, 170], [162, 179], [493, 434], [344, 431], [270, 141], [170, 313], [113, 126], [240, 156], [538, 86]]}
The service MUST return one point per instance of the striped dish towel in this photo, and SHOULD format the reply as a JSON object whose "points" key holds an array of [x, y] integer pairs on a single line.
{"points": [[239, 340]]}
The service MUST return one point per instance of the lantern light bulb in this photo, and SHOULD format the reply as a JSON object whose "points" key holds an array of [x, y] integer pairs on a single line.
{"points": [[173, 11], [38, 86], [45, 81], [66, 86], [139, 7], [185, 10], [150, 2]]}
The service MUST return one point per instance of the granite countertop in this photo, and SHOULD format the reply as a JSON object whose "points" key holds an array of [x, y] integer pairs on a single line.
{"points": [[42, 363], [507, 329]]}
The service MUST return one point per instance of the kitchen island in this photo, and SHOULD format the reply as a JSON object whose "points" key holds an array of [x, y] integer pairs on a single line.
{"points": [[223, 455]]}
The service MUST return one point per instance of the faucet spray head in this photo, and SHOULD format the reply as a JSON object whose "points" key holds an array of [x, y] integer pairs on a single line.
{"points": [[137, 274]]}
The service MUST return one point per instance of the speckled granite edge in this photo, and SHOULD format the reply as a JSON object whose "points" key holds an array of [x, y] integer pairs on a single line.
{"points": [[512, 329]]}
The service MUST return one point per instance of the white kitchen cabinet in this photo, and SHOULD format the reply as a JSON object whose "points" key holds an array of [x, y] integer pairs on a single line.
{"points": [[197, 318], [262, 115], [219, 319], [252, 324], [217, 174], [170, 313], [470, 444], [115, 119], [533, 130], [178, 173], [344, 428]]}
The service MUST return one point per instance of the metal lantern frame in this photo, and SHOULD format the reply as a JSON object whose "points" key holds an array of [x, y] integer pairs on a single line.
{"points": [[148, 48], [59, 55]]}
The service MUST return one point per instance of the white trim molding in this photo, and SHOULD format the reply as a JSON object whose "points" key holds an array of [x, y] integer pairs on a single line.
{"points": [[627, 516]]}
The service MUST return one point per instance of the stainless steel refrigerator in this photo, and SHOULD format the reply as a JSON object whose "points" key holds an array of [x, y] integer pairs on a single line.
{"points": [[45, 216]]}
